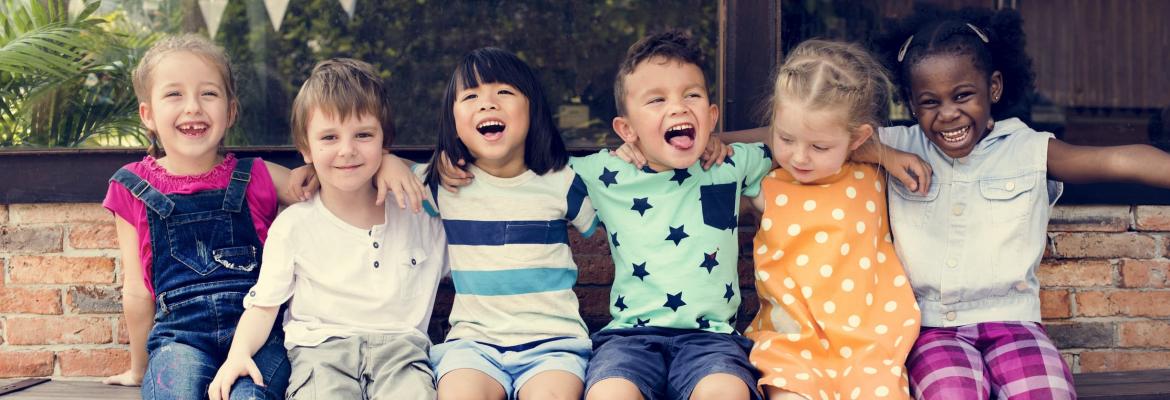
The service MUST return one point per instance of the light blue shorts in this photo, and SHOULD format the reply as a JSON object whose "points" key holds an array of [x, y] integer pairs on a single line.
{"points": [[515, 365]]}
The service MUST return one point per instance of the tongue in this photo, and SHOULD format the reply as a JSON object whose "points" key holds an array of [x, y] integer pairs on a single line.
{"points": [[682, 142]]}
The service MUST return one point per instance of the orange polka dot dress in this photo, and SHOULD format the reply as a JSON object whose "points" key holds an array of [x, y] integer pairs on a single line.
{"points": [[837, 314]]}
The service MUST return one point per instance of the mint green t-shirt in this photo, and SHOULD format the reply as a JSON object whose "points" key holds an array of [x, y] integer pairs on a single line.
{"points": [[674, 237]]}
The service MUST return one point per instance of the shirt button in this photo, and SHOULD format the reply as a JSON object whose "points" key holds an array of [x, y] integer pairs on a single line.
{"points": [[413, 262], [957, 210], [375, 245], [951, 316], [1010, 186], [375, 264], [952, 263], [252, 293]]}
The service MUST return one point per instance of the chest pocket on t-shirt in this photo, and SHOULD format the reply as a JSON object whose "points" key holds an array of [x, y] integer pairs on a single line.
{"points": [[411, 274], [718, 205]]}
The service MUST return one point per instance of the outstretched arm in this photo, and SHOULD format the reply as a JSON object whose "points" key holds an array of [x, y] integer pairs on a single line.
{"points": [[1131, 163]]}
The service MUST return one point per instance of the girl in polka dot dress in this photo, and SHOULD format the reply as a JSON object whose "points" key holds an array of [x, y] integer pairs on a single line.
{"points": [[837, 315]]}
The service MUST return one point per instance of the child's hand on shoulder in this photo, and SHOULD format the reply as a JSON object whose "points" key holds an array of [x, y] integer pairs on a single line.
{"points": [[302, 183], [714, 154], [395, 176], [909, 169], [453, 176], [127, 378], [236, 366]]}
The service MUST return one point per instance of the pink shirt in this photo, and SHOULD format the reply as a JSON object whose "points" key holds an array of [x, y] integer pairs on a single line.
{"points": [[261, 196]]}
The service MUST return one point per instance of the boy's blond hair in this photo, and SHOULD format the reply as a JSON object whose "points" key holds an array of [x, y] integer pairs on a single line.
{"points": [[190, 43], [823, 74], [341, 88]]}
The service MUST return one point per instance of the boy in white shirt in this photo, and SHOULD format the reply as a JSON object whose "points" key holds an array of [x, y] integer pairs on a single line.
{"points": [[360, 279]]}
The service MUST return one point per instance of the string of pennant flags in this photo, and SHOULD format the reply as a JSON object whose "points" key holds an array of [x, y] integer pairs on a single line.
{"points": [[212, 11]]}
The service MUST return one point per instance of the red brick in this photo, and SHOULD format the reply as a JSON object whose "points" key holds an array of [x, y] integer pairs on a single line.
{"points": [[1093, 304], [1123, 302], [1144, 334], [594, 301], [1109, 361], [1106, 245], [594, 269], [1145, 273], [1076, 273], [1055, 304], [1089, 219], [597, 244], [29, 300], [124, 333], [60, 269], [93, 236], [95, 362], [58, 330], [25, 239], [17, 364], [747, 272], [3, 213], [94, 300], [1152, 218], [59, 213]]}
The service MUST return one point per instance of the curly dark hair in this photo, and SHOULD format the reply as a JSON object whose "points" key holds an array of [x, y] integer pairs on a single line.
{"points": [[940, 31]]}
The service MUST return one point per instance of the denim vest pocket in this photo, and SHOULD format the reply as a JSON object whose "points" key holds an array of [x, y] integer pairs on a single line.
{"points": [[239, 258], [194, 236], [911, 207], [719, 205], [410, 273], [1008, 199]]}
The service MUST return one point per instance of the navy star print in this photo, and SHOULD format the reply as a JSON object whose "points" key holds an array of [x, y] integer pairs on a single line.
{"points": [[680, 175], [767, 151], [728, 160], [703, 323], [640, 271], [730, 293], [608, 177], [641, 322], [677, 234], [710, 261], [613, 238], [621, 303], [674, 301], [641, 205]]}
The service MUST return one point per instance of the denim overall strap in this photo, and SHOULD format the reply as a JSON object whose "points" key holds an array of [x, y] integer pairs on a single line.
{"points": [[142, 190], [238, 186]]}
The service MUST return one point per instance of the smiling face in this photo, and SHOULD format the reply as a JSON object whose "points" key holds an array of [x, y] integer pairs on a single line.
{"points": [[952, 101], [812, 145], [669, 116], [345, 154], [189, 108], [492, 121]]}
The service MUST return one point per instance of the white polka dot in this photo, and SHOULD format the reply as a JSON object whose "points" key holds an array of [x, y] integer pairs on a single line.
{"points": [[830, 307], [831, 372], [915, 304], [855, 394], [898, 341], [802, 376], [881, 257], [826, 270], [766, 345], [869, 370], [810, 205], [806, 291], [850, 192], [781, 200], [766, 224], [824, 345], [896, 370], [846, 352], [845, 249], [888, 362], [847, 371], [793, 337], [847, 285], [789, 283], [777, 255], [801, 260], [762, 275], [772, 174], [869, 299], [763, 249], [779, 382], [838, 214], [869, 206], [824, 396], [860, 227], [847, 328], [793, 230], [777, 369], [889, 239], [805, 354], [864, 262], [891, 306], [881, 391], [854, 320], [787, 299], [910, 322], [899, 280], [877, 185], [881, 329], [822, 237], [858, 175]]}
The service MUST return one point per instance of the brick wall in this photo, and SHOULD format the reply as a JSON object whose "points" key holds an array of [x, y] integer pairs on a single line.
{"points": [[1106, 296]]}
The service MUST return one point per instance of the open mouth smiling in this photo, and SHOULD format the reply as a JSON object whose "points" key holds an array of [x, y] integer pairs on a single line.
{"points": [[681, 136], [193, 128], [955, 136], [491, 129]]}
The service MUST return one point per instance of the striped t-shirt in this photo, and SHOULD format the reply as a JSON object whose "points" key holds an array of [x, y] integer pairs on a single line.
{"points": [[510, 259]]}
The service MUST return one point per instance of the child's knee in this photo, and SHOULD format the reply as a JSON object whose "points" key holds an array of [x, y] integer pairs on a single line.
{"points": [[614, 389], [721, 386]]}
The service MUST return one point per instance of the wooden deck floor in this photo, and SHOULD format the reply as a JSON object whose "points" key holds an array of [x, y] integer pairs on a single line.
{"points": [[1129, 385]]}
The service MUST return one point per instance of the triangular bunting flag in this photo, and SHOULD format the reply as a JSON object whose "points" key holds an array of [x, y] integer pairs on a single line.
{"points": [[276, 9], [347, 5], [212, 13]]}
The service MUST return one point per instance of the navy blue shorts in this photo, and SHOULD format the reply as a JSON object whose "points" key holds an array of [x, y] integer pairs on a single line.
{"points": [[667, 363]]}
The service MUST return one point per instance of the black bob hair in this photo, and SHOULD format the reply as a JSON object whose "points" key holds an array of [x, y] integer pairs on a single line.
{"points": [[940, 31], [544, 150]]}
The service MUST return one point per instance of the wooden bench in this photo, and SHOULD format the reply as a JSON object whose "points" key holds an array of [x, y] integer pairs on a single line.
{"points": [[1127, 385]]}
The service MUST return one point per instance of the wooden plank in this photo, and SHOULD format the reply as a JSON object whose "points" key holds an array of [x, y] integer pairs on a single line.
{"points": [[1124, 385], [59, 389]]}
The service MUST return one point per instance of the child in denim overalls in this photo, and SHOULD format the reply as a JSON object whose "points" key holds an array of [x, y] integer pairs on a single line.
{"points": [[191, 223]]}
